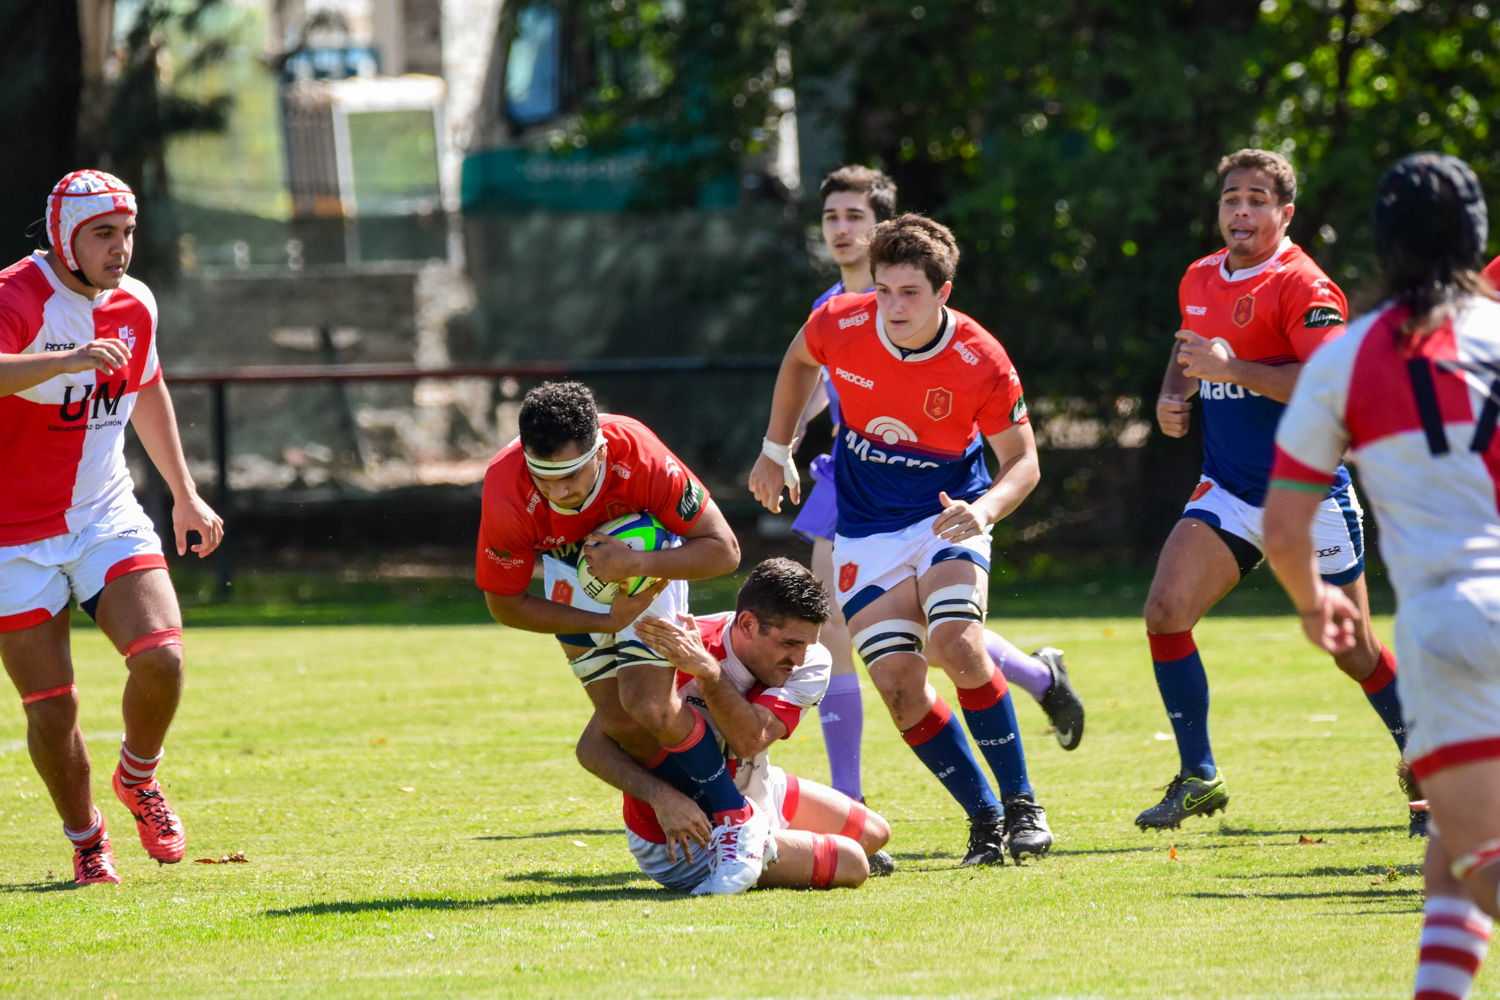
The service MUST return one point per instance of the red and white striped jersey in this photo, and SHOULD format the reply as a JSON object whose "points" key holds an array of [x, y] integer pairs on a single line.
{"points": [[1418, 419], [801, 691], [62, 443]]}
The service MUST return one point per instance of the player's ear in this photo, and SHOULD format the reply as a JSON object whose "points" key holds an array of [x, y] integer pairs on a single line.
{"points": [[944, 292], [747, 621], [1287, 211]]}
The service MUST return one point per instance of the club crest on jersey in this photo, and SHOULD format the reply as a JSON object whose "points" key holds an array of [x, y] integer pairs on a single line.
{"points": [[126, 334], [1244, 310], [939, 403], [848, 574]]}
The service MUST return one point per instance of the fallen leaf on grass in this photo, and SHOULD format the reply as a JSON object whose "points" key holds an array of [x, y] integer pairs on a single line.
{"points": [[237, 858], [1172, 852], [376, 743], [1165, 736], [406, 788], [579, 843], [1305, 839]]}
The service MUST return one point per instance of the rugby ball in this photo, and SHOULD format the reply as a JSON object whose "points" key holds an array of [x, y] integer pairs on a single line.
{"points": [[642, 532]]}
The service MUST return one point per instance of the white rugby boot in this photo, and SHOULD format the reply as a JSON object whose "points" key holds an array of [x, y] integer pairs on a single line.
{"points": [[739, 854]]}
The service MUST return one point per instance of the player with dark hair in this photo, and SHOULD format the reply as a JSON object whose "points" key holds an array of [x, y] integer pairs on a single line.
{"points": [[919, 385], [77, 362], [1410, 394], [1252, 314], [753, 672], [572, 470]]}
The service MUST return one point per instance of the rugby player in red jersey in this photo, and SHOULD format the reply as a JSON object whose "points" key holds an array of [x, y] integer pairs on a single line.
{"points": [[571, 470], [1252, 314], [923, 388], [77, 362]]}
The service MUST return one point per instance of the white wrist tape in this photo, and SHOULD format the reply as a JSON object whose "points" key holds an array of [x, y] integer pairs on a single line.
{"points": [[781, 454]]}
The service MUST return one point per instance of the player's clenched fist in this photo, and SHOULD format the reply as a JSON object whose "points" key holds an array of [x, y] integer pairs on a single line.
{"points": [[108, 356], [1172, 414], [1202, 358]]}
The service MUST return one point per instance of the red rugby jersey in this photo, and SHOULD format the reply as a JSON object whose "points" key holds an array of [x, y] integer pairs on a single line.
{"points": [[62, 443], [640, 474]]}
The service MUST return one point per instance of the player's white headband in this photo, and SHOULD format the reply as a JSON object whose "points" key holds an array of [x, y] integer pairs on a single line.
{"points": [[565, 468], [78, 199]]}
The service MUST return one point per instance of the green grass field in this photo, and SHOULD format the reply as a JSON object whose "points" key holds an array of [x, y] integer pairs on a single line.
{"points": [[416, 826]]}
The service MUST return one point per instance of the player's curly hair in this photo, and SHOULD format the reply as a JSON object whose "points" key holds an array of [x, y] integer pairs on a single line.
{"points": [[1274, 165], [779, 590], [556, 413], [874, 184], [916, 240]]}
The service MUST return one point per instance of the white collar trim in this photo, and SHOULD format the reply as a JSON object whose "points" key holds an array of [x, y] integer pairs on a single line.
{"points": [[1245, 274], [943, 340]]}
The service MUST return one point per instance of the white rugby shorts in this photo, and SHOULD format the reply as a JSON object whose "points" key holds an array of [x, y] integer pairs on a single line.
{"points": [[684, 875], [613, 650], [36, 579], [1448, 645], [865, 568], [1337, 528]]}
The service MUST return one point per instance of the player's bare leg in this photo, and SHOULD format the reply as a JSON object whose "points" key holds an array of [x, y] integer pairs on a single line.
{"points": [[615, 722], [842, 710], [39, 664], [890, 628], [954, 594], [1195, 570], [1361, 661], [821, 809], [139, 614], [38, 661], [1455, 930], [132, 606], [806, 860]]}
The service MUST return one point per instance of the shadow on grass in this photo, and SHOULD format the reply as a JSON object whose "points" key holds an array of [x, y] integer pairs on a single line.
{"points": [[1229, 831], [1381, 870], [62, 886], [1335, 894], [551, 833], [611, 888]]}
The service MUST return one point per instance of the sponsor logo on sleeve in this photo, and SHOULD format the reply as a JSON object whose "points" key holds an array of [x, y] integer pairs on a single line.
{"points": [[504, 558], [1320, 316], [858, 319], [1018, 411], [963, 351], [691, 502]]}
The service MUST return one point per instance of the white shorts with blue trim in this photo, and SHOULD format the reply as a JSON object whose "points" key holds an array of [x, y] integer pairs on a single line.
{"points": [[683, 874], [609, 651], [867, 567], [1337, 530]]}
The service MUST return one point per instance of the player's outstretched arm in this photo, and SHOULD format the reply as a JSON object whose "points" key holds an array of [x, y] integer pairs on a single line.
{"points": [[155, 423], [1205, 359], [681, 820], [22, 371], [794, 387], [1329, 618], [1017, 476], [537, 614], [747, 728]]}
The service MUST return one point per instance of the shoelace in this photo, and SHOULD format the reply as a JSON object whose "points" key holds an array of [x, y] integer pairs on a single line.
{"points": [[92, 859], [154, 810], [1022, 817], [983, 835]]}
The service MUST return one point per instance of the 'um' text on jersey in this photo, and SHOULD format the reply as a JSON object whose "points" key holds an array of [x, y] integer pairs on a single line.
{"points": [[72, 411]]}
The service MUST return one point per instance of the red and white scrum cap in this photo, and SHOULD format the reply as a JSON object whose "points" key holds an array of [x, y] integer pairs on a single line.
{"points": [[80, 198]]}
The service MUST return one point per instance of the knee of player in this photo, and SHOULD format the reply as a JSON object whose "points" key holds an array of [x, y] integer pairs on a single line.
{"points": [[53, 718], [853, 866], [876, 834], [652, 714], [1166, 612], [158, 665], [955, 644]]}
